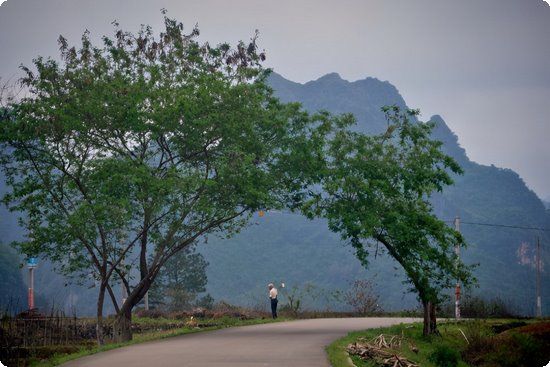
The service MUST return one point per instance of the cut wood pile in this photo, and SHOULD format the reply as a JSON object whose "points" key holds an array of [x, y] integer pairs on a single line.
{"points": [[381, 350]]}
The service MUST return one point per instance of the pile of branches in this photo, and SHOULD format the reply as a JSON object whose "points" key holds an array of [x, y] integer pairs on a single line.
{"points": [[381, 351]]}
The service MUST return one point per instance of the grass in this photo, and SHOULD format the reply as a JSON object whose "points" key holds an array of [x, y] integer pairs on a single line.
{"points": [[451, 341], [216, 324], [338, 356]]}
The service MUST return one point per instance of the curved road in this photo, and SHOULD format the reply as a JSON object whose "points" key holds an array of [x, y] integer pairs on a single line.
{"points": [[293, 343]]}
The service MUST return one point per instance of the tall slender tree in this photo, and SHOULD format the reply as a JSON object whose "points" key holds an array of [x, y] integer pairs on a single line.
{"points": [[375, 192]]}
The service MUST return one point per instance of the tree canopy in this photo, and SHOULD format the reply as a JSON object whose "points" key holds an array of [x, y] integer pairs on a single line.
{"points": [[124, 154], [375, 192]]}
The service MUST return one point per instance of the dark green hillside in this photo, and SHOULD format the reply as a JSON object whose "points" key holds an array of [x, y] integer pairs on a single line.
{"points": [[289, 248], [12, 288], [13, 291]]}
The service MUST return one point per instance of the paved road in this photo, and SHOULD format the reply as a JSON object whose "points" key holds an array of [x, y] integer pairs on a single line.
{"points": [[294, 343]]}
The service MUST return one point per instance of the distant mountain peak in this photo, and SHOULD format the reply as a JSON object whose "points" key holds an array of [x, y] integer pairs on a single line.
{"points": [[330, 77]]}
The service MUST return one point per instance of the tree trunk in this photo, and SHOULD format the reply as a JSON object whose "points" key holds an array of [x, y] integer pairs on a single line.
{"points": [[433, 320], [99, 324], [430, 323], [122, 326]]}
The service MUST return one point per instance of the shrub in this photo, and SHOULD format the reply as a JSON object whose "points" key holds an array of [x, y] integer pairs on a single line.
{"points": [[206, 301], [519, 350], [444, 356], [479, 307], [520, 347], [179, 315], [362, 297], [152, 314]]}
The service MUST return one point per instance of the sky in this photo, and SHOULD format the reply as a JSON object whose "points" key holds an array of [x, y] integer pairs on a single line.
{"points": [[483, 65]]}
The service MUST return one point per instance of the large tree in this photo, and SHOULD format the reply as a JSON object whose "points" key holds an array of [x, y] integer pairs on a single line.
{"points": [[124, 154], [375, 192]]}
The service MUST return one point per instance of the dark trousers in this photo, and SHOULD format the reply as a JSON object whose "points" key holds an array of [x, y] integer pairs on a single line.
{"points": [[274, 307]]}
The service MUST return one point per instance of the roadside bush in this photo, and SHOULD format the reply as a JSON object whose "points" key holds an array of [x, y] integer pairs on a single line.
{"points": [[479, 333], [444, 356], [362, 297], [206, 301], [520, 350], [479, 307], [179, 315], [519, 347], [152, 314], [298, 298]]}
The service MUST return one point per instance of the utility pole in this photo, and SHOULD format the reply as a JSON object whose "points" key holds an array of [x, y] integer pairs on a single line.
{"points": [[539, 302], [457, 289], [31, 264], [146, 301], [31, 288]]}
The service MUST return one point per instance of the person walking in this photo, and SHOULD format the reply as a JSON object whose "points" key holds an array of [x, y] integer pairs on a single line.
{"points": [[273, 299]]}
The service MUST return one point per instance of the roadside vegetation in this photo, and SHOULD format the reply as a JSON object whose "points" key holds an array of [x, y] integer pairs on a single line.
{"points": [[39, 340], [157, 329], [480, 343]]}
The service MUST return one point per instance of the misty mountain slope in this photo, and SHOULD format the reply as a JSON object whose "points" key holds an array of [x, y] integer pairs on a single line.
{"points": [[363, 98], [13, 290], [299, 251], [283, 247]]}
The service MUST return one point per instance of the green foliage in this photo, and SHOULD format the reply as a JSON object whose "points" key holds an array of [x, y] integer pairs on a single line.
{"points": [[515, 347], [522, 347], [276, 247], [140, 146], [444, 356], [376, 194], [520, 351], [280, 242]]}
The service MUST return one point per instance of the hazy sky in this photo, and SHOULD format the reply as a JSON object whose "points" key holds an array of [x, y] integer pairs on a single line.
{"points": [[484, 65]]}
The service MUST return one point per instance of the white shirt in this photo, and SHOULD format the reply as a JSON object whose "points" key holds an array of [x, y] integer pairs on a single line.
{"points": [[273, 293]]}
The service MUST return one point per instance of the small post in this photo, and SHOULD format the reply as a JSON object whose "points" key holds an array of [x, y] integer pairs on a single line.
{"points": [[457, 289], [146, 300], [31, 288], [539, 301], [31, 264]]}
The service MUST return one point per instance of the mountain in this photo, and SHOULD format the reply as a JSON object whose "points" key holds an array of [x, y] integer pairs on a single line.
{"points": [[286, 247], [290, 248]]}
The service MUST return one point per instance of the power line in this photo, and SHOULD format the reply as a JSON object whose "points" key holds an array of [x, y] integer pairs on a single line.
{"points": [[450, 221], [502, 225]]}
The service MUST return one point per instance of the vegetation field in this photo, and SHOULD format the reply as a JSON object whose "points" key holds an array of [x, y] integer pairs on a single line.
{"points": [[157, 328], [487, 343]]}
